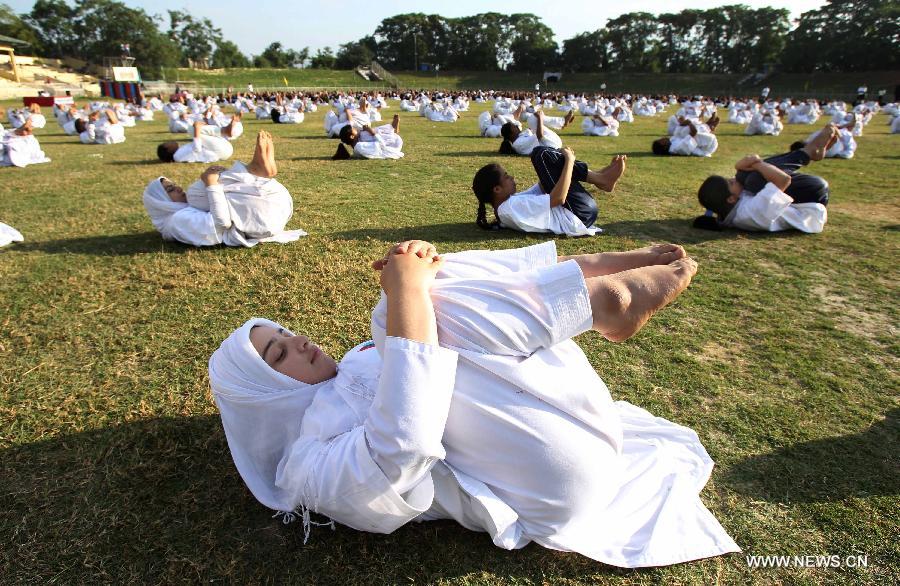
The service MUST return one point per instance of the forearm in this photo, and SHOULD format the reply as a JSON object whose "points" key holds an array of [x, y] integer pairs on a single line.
{"points": [[410, 315], [218, 206], [539, 128], [773, 174], [561, 189]]}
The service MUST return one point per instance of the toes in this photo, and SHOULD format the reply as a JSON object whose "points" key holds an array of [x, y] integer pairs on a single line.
{"points": [[685, 264]]}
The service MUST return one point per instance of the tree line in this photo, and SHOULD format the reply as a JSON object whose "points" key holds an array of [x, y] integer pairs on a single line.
{"points": [[843, 35]]}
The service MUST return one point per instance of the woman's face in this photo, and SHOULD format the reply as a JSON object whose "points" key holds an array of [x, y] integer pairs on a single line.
{"points": [[294, 356], [174, 192]]}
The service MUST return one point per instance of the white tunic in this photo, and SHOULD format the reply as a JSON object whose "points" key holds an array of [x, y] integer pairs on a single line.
{"points": [[8, 235], [527, 140], [103, 132], [242, 210], [530, 211], [204, 149], [703, 144], [384, 144], [772, 210], [20, 151], [505, 427], [592, 127]]}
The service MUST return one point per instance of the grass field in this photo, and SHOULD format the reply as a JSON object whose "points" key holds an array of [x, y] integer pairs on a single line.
{"points": [[782, 355], [819, 84]]}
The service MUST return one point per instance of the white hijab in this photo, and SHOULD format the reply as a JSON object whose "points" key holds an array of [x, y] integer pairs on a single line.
{"points": [[261, 411], [159, 205]]}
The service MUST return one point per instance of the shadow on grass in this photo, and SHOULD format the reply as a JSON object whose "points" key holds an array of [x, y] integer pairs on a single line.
{"points": [[159, 500], [832, 469], [680, 230], [450, 232], [488, 152], [121, 245], [140, 162]]}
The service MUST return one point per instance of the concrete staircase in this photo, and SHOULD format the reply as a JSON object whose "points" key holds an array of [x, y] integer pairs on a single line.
{"points": [[36, 74]]}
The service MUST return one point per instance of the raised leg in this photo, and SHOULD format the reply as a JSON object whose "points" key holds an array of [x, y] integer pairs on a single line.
{"points": [[263, 163], [607, 177], [622, 303], [608, 263]]}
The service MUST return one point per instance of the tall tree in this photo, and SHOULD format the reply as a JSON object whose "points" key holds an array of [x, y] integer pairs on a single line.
{"points": [[12, 25], [323, 59], [195, 37], [352, 55], [586, 52], [846, 35], [633, 42], [532, 47], [227, 54], [54, 21]]}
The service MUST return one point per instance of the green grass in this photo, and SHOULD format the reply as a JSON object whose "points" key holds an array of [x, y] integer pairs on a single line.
{"points": [[822, 85], [782, 354]]}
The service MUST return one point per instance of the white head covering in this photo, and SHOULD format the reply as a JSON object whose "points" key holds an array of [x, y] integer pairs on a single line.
{"points": [[158, 203], [261, 411]]}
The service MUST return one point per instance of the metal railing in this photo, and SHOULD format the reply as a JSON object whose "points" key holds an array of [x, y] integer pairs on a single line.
{"points": [[384, 74]]}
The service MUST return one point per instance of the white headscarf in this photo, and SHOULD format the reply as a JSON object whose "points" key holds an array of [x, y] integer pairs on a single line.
{"points": [[158, 203], [261, 411]]}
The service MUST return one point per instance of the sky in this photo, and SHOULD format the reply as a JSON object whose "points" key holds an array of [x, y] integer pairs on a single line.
{"points": [[316, 24]]}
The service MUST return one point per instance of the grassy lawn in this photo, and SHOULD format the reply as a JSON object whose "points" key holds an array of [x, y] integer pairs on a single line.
{"points": [[782, 355]]}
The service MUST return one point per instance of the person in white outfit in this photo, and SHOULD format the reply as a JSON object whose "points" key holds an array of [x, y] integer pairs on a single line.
{"points": [[521, 142], [691, 138], [101, 127], [239, 206], [472, 403], [204, 148], [20, 148], [381, 142]]}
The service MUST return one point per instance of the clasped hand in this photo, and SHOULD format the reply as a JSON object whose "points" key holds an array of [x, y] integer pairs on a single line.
{"points": [[408, 265], [748, 163]]}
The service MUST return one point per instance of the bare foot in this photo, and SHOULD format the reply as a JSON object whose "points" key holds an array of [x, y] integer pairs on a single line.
{"points": [[607, 177], [622, 303], [263, 163], [26, 129], [570, 116], [819, 145], [608, 263], [395, 123]]}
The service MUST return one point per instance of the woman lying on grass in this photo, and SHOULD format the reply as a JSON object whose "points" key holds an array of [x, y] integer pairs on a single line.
{"points": [[557, 203], [239, 206], [474, 404]]}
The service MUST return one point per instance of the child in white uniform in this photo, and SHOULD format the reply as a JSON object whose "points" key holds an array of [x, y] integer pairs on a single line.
{"points": [[381, 142], [240, 206], [689, 139], [473, 404], [522, 142], [558, 203], [204, 148], [20, 148]]}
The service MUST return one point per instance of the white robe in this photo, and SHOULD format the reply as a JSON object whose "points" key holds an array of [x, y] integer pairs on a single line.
{"points": [[505, 427], [772, 210], [8, 235], [530, 211], [491, 125], [704, 144], [592, 127], [20, 151], [204, 149], [384, 144], [242, 210], [552, 122], [764, 123], [527, 140]]}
